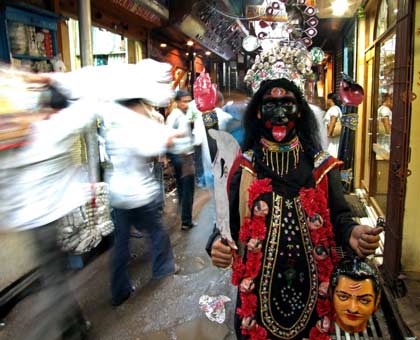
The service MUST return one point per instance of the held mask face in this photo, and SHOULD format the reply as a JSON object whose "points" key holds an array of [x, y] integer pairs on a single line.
{"points": [[278, 114], [354, 303]]}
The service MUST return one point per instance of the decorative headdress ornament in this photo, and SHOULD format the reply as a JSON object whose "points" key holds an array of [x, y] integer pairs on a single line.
{"points": [[284, 49], [290, 60]]}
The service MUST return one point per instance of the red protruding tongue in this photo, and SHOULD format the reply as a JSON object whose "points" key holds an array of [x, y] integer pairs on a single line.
{"points": [[279, 132]]}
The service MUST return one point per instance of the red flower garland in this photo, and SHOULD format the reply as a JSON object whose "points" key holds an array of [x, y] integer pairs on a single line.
{"points": [[314, 201], [252, 228]]}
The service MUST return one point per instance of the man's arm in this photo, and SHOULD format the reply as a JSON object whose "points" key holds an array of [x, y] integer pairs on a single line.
{"points": [[361, 239]]}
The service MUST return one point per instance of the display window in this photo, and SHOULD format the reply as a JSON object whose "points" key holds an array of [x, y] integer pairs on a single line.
{"points": [[380, 68]]}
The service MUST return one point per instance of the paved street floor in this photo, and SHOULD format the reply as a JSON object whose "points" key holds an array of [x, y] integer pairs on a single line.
{"points": [[166, 309]]}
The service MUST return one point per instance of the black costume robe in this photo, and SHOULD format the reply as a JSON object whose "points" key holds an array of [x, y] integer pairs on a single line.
{"points": [[287, 284]]}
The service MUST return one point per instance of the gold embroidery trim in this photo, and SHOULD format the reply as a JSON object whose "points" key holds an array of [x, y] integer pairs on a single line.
{"points": [[333, 165], [272, 245]]}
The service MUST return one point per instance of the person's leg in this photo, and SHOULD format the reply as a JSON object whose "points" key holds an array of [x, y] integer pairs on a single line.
{"points": [[158, 172], [187, 200], [120, 281], [56, 314], [177, 166], [188, 184], [198, 161], [149, 219]]}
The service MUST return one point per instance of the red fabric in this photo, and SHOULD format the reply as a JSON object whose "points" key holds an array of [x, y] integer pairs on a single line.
{"points": [[321, 170], [235, 166]]}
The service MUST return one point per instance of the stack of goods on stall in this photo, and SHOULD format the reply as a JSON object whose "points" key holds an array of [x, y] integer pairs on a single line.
{"points": [[30, 41]]}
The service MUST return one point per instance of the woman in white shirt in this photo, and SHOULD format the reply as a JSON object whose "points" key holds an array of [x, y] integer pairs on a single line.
{"points": [[385, 121], [331, 117]]}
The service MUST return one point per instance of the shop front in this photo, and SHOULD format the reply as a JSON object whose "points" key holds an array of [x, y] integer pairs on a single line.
{"points": [[381, 162]]}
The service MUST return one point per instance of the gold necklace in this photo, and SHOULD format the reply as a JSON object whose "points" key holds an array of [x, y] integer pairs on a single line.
{"points": [[279, 156]]}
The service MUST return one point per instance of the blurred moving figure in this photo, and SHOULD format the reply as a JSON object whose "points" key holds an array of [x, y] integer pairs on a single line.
{"points": [[157, 163], [332, 116], [319, 115], [223, 117], [40, 182], [132, 138], [183, 163], [234, 126]]}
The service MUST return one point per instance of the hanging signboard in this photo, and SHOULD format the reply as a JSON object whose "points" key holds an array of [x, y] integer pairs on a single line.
{"points": [[159, 7], [139, 10]]}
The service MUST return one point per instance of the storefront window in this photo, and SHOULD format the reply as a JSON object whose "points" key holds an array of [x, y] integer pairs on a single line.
{"points": [[387, 16], [107, 47], [384, 105]]}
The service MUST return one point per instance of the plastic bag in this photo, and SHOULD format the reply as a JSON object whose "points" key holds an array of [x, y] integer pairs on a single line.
{"points": [[205, 93], [214, 307]]}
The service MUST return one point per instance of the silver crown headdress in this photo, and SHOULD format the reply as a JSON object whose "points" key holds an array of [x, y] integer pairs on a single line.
{"points": [[290, 60], [284, 45]]}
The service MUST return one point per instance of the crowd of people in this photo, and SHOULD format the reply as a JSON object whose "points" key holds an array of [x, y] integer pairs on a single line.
{"points": [[282, 171]]}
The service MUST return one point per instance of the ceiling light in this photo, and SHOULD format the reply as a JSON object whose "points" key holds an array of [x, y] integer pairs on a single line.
{"points": [[163, 45], [187, 54], [190, 43], [339, 7], [208, 52]]}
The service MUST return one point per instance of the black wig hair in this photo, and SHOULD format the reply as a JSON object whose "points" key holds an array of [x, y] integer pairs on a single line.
{"points": [[306, 127]]}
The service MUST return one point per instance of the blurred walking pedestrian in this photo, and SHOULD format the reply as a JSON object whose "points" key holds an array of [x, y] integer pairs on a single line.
{"points": [[135, 195], [183, 164], [40, 183]]}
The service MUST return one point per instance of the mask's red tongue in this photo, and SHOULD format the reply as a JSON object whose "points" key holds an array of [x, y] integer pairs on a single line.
{"points": [[279, 132]]}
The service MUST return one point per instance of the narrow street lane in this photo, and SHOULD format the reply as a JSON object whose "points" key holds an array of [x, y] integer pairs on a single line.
{"points": [[166, 309]]}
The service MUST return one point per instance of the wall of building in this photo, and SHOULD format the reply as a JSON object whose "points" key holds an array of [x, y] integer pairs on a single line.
{"points": [[411, 231]]}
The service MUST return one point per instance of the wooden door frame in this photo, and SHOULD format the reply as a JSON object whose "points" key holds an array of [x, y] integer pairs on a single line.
{"points": [[400, 137], [367, 111]]}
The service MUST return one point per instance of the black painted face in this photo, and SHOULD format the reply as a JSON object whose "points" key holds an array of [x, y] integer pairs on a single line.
{"points": [[279, 114]]}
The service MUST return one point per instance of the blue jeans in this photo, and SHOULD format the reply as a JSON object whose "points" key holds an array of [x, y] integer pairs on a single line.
{"points": [[146, 218], [185, 183]]}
